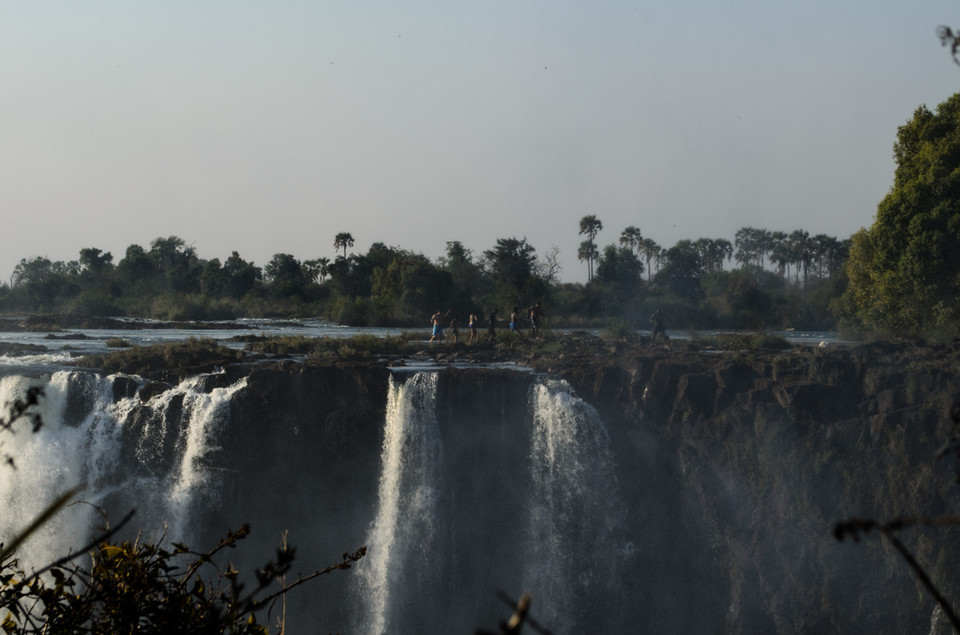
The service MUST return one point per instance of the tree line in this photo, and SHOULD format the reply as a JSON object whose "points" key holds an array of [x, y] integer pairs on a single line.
{"points": [[763, 279]]}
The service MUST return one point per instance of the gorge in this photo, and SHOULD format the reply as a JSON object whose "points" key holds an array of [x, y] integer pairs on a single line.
{"points": [[627, 488]]}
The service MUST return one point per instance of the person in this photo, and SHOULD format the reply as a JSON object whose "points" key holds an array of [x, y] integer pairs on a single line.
{"points": [[492, 326], [515, 320], [454, 329], [437, 328], [534, 315], [657, 320], [472, 322]]}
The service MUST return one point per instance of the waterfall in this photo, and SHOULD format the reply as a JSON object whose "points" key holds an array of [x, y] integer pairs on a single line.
{"points": [[401, 538], [191, 478], [53, 460], [486, 479], [576, 517], [84, 443], [453, 526]]}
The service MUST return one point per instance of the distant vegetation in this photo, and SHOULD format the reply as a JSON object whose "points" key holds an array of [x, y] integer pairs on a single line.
{"points": [[772, 280], [899, 277]]}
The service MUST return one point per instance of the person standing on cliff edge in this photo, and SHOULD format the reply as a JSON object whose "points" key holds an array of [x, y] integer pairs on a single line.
{"points": [[657, 320], [437, 328], [534, 314]]}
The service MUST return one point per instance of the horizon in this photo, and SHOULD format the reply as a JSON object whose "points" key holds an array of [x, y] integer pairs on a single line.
{"points": [[269, 130]]}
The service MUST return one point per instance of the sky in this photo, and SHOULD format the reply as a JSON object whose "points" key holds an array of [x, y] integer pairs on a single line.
{"points": [[270, 127]]}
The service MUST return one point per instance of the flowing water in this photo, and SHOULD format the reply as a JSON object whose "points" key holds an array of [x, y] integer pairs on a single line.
{"points": [[520, 496]]}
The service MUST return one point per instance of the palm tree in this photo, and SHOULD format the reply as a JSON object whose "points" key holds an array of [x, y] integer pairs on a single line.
{"points": [[823, 245], [651, 251], [589, 225], [745, 243], [764, 245], [588, 251], [631, 238], [723, 250], [342, 241], [780, 254], [801, 253]]}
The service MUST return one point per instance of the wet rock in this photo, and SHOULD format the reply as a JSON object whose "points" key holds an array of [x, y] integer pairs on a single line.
{"points": [[152, 389]]}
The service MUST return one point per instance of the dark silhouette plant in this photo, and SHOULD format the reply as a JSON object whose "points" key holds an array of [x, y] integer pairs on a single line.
{"points": [[857, 528]]}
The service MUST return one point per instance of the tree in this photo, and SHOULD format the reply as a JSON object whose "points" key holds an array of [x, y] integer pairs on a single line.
{"points": [[95, 262], [620, 269], [316, 270], [45, 282], [682, 271], [343, 240], [213, 281], [466, 274], [285, 276], [511, 264], [243, 276], [801, 252], [177, 264], [651, 253], [904, 272], [780, 253], [631, 238], [713, 252], [589, 226], [588, 251], [137, 269]]}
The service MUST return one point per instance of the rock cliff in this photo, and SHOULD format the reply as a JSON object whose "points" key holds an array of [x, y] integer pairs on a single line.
{"points": [[762, 453], [734, 467]]}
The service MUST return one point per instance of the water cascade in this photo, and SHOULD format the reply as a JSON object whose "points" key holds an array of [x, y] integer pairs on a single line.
{"points": [[402, 534], [551, 524], [460, 482], [117, 452]]}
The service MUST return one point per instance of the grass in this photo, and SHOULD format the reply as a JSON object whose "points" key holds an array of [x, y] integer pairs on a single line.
{"points": [[747, 341], [175, 359], [358, 345]]}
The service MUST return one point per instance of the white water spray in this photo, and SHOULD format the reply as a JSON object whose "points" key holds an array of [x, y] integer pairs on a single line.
{"points": [[88, 453], [206, 412], [53, 460], [403, 530], [575, 514]]}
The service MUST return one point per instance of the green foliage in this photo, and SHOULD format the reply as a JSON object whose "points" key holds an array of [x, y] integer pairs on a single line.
{"points": [[512, 266], [179, 359], [134, 587], [682, 271], [327, 346], [390, 286], [747, 342], [904, 272], [620, 331]]}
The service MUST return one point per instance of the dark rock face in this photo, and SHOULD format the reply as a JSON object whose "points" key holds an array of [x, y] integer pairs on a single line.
{"points": [[734, 469], [764, 453]]}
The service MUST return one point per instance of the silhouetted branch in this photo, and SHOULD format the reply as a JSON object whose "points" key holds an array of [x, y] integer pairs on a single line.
{"points": [[951, 39], [87, 547], [521, 616], [855, 527], [345, 563]]}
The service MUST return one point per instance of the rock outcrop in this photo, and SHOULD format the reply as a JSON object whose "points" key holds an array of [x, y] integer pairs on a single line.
{"points": [[764, 453]]}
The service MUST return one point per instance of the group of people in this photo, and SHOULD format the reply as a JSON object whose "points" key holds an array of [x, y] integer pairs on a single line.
{"points": [[533, 314]]}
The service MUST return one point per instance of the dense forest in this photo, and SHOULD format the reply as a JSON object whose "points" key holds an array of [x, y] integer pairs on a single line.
{"points": [[763, 279]]}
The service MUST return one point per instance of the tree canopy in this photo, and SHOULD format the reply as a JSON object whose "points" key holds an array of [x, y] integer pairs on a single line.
{"points": [[904, 270]]}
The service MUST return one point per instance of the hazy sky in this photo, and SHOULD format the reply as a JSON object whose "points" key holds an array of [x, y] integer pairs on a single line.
{"points": [[268, 127]]}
